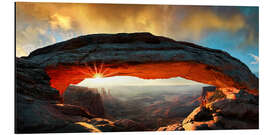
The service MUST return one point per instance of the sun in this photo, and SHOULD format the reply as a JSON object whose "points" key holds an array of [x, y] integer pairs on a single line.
{"points": [[98, 76], [98, 79], [98, 72]]}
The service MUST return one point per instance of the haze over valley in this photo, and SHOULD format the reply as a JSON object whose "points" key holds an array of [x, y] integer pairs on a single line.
{"points": [[149, 106]]}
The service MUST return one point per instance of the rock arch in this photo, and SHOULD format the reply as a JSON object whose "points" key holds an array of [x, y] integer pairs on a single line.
{"points": [[142, 55]]}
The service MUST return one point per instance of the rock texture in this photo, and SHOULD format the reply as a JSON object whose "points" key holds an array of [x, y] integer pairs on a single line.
{"points": [[172, 127], [88, 98], [129, 125], [219, 112], [37, 107], [223, 113], [142, 55], [210, 94], [37, 116], [33, 81]]}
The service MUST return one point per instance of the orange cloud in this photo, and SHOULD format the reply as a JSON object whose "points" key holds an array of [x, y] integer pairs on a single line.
{"points": [[202, 21], [74, 19], [59, 21], [99, 18]]}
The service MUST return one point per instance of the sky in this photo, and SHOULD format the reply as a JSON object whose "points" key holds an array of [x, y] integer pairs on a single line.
{"points": [[231, 29], [135, 81]]}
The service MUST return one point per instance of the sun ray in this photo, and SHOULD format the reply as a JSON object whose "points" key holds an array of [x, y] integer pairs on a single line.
{"points": [[107, 69], [98, 71], [90, 70], [101, 67], [81, 70], [95, 66], [110, 74]]}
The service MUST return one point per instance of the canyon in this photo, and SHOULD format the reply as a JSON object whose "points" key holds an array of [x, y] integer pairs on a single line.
{"points": [[44, 77]]}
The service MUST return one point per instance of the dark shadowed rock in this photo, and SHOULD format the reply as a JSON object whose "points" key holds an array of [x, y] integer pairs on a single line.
{"points": [[88, 98], [129, 125], [36, 103], [39, 116], [32, 80], [74, 110]]}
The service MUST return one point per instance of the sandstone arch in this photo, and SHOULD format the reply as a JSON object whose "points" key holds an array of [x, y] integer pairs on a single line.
{"points": [[142, 55]]}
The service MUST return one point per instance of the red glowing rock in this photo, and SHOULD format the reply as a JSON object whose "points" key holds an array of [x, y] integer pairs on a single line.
{"points": [[141, 55]]}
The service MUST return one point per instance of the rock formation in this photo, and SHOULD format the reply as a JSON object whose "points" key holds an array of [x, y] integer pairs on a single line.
{"points": [[142, 55], [33, 81], [43, 76], [88, 98], [172, 127], [207, 95], [224, 113], [39, 108], [130, 125], [220, 112]]}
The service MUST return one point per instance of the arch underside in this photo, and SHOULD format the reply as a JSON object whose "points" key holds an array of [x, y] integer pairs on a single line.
{"points": [[64, 75]]}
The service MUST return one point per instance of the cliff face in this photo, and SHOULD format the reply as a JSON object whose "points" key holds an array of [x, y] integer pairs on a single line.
{"points": [[32, 80], [142, 55], [222, 112], [210, 94], [217, 111], [37, 104], [88, 98]]}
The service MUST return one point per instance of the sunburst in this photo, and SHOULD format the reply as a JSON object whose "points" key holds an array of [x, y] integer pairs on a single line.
{"points": [[98, 71], [98, 75]]}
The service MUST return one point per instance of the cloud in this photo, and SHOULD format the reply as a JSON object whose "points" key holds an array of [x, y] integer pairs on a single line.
{"points": [[59, 21], [256, 58], [20, 51], [54, 22], [202, 21], [31, 37]]}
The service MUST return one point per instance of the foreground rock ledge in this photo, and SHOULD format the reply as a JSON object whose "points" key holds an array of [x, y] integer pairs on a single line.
{"points": [[141, 55]]}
